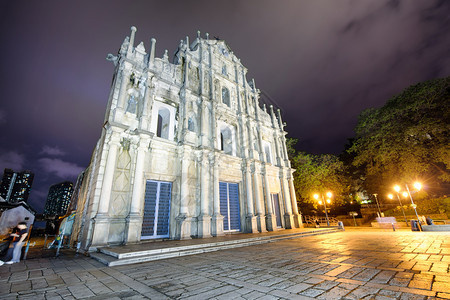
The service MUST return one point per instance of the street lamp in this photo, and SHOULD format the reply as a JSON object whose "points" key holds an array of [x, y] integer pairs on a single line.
{"points": [[397, 190], [329, 195], [378, 205], [417, 186]]}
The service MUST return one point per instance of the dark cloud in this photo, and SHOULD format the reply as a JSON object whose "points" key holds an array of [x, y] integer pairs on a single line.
{"points": [[53, 151], [321, 62], [11, 159], [60, 168]]}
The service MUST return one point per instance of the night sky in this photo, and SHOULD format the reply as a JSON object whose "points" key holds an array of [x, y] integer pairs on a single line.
{"points": [[320, 62]]}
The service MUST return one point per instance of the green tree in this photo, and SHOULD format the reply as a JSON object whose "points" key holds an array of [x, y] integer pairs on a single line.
{"points": [[316, 174], [407, 139]]}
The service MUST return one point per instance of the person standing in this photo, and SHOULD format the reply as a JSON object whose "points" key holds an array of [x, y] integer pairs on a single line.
{"points": [[19, 235]]}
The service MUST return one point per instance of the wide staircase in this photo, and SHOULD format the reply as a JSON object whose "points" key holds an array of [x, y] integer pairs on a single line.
{"points": [[151, 250]]}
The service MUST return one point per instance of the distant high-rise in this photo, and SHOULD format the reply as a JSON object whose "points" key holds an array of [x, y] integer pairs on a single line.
{"points": [[16, 186], [58, 199]]}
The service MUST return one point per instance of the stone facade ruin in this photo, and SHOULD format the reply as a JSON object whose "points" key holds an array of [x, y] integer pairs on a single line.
{"points": [[185, 151]]}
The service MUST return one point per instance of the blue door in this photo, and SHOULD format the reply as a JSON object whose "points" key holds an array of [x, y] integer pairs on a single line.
{"points": [[156, 210], [229, 206], [276, 209]]}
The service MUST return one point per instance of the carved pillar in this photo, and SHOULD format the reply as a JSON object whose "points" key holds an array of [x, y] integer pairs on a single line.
{"points": [[288, 217], [151, 60], [275, 136], [204, 125], [251, 225], [134, 219], [120, 108], [297, 215], [131, 45], [217, 218], [145, 120], [260, 217], [184, 221], [271, 220], [204, 219], [102, 219]]}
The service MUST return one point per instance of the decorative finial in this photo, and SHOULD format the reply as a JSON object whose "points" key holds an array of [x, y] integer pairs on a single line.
{"points": [[207, 36], [198, 34], [133, 28]]}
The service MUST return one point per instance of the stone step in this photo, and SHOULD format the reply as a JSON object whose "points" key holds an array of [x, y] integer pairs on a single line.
{"points": [[109, 257]]}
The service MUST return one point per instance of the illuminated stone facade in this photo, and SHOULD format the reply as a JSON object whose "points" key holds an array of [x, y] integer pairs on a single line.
{"points": [[185, 151]]}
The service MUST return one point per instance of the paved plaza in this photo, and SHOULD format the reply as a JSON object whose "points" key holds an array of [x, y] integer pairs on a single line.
{"points": [[354, 264]]}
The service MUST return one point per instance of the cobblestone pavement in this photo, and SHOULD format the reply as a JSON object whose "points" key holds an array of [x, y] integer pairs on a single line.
{"points": [[355, 264]]}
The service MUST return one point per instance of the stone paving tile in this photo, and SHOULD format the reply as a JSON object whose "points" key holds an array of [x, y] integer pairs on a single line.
{"points": [[399, 281], [326, 285], [253, 295], [298, 288], [440, 286], [348, 286], [420, 284], [383, 276], [350, 272], [311, 292], [20, 286], [366, 274], [313, 280], [408, 296], [362, 292], [443, 295], [334, 293]]}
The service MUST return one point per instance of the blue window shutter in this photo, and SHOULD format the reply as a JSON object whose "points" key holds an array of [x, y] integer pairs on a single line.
{"points": [[149, 208], [223, 194], [276, 206], [164, 208], [235, 223]]}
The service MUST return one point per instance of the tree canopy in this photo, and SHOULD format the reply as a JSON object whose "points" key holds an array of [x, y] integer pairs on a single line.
{"points": [[316, 174], [407, 139]]}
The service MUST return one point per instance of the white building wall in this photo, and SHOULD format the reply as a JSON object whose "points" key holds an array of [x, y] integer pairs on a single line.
{"points": [[189, 154]]}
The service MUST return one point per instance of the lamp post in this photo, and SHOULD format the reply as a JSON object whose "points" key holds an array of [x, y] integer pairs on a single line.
{"points": [[329, 194], [417, 186], [397, 190], [378, 205]]}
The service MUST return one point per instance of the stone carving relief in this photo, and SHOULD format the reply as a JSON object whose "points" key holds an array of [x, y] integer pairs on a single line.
{"points": [[121, 185], [226, 97], [217, 90], [194, 78], [135, 92], [206, 83]]}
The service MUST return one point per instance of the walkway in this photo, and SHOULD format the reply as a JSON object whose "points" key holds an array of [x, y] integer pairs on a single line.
{"points": [[355, 264]]}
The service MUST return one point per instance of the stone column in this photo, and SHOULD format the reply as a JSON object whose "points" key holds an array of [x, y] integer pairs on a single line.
{"points": [[260, 216], [204, 219], [288, 217], [134, 219], [271, 220], [144, 120], [131, 45], [297, 217], [121, 101], [102, 219], [217, 218], [251, 225], [151, 60], [275, 136], [184, 221], [204, 123]]}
